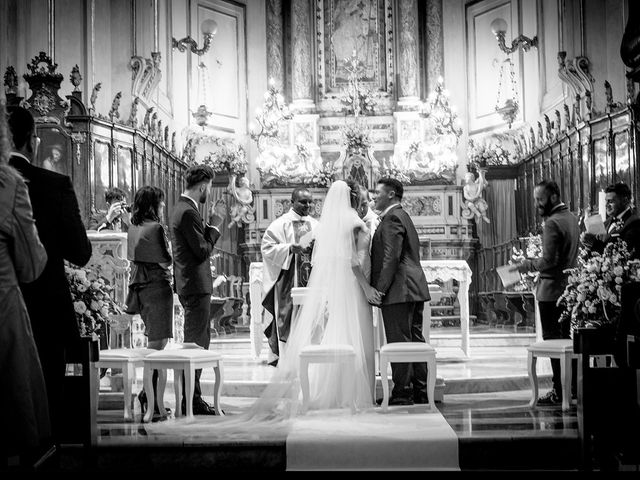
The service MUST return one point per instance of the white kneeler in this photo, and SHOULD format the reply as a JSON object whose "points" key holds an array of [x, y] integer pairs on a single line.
{"points": [[408, 352]]}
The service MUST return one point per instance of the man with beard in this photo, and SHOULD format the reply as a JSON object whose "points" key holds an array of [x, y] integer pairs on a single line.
{"points": [[192, 242], [560, 237]]}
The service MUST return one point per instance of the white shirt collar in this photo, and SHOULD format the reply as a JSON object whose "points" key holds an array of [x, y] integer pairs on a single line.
{"points": [[190, 199], [623, 213], [386, 210], [17, 154]]}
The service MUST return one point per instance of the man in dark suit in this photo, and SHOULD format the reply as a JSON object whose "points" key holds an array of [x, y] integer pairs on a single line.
{"points": [[397, 274], [560, 237], [60, 227], [117, 215], [622, 222], [193, 241]]}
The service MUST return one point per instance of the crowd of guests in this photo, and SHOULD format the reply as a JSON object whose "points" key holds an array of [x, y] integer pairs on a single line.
{"points": [[41, 228], [561, 239]]}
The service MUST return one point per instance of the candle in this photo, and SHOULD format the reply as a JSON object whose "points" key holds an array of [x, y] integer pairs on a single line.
{"points": [[602, 203]]}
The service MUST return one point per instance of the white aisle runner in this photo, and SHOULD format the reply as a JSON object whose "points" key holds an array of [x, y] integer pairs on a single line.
{"points": [[402, 439]]}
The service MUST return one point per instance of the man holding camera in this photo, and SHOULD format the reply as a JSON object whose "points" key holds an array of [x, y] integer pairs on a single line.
{"points": [[116, 217]]}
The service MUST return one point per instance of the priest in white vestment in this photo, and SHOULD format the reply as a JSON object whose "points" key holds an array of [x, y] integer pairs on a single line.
{"points": [[286, 253]]}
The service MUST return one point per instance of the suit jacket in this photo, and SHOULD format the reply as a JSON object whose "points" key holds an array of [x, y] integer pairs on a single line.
{"points": [[395, 260], [61, 231], [192, 243], [560, 239], [629, 232]]}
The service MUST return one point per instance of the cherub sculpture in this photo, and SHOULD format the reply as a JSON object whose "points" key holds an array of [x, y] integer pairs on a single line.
{"points": [[241, 211], [474, 204]]}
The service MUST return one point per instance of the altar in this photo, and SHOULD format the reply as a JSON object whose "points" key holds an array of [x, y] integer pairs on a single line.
{"points": [[442, 270]]}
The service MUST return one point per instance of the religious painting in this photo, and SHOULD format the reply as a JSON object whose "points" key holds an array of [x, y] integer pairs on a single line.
{"points": [[53, 153], [358, 28], [101, 155]]}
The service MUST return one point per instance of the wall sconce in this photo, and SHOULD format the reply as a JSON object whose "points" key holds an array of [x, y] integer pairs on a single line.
{"points": [[209, 29], [499, 29]]}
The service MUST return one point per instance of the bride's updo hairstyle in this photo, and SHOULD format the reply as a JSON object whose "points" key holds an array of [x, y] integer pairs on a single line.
{"points": [[354, 193]]}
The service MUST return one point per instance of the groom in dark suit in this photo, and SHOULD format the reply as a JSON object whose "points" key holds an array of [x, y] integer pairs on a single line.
{"points": [[193, 241], [397, 274], [61, 231]]}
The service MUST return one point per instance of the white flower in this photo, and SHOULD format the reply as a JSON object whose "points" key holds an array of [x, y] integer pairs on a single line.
{"points": [[79, 307], [95, 306], [81, 288], [618, 271]]}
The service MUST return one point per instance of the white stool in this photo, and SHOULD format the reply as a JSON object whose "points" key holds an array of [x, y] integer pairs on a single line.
{"points": [[408, 352], [561, 349], [342, 354], [183, 362], [127, 359]]}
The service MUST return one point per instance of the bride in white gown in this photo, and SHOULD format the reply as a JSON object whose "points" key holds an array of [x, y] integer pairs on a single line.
{"points": [[336, 310]]}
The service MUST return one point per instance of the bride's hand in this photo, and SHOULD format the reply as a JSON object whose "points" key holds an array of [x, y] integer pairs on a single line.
{"points": [[374, 297]]}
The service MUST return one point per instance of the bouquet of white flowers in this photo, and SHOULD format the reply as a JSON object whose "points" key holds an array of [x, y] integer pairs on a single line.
{"points": [[533, 249], [92, 299], [592, 296]]}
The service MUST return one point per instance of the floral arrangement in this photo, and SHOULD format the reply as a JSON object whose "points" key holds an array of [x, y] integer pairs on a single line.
{"points": [[394, 172], [356, 138], [323, 177], [533, 249], [358, 100], [92, 299], [229, 158], [592, 295], [487, 154]]}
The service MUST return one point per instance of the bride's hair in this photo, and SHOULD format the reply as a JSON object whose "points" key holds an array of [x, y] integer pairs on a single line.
{"points": [[354, 193]]}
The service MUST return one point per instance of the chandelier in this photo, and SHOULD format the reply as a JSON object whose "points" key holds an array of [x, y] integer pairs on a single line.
{"points": [[507, 106], [442, 116], [273, 111]]}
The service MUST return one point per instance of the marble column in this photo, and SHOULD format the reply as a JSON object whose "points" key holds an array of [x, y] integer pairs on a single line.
{"points": [[275, 43], [301, 52], [408, 64], [435, 46]]}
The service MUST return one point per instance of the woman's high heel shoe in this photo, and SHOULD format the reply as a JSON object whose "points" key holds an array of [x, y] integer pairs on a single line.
{"points": [[142, 398]]}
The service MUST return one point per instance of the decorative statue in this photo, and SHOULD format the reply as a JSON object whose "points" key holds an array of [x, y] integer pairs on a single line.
{"points": [[94, 97], [540, 134], [115, 105], [558, 125], [133, 116], [548, 128], [173, 143], [75, 78], [577, 118], [474, 204], [153, 126], [166, 137], [567, 117], [241, 211], [11, 80], [146, 123], [532, 136]]}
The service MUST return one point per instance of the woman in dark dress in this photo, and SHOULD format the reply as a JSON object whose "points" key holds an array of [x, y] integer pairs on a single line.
{"points": [[150, 292]]}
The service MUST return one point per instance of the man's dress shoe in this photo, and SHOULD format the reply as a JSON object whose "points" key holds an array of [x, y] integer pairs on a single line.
{"points": [[200, 407], [397, 401]]}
